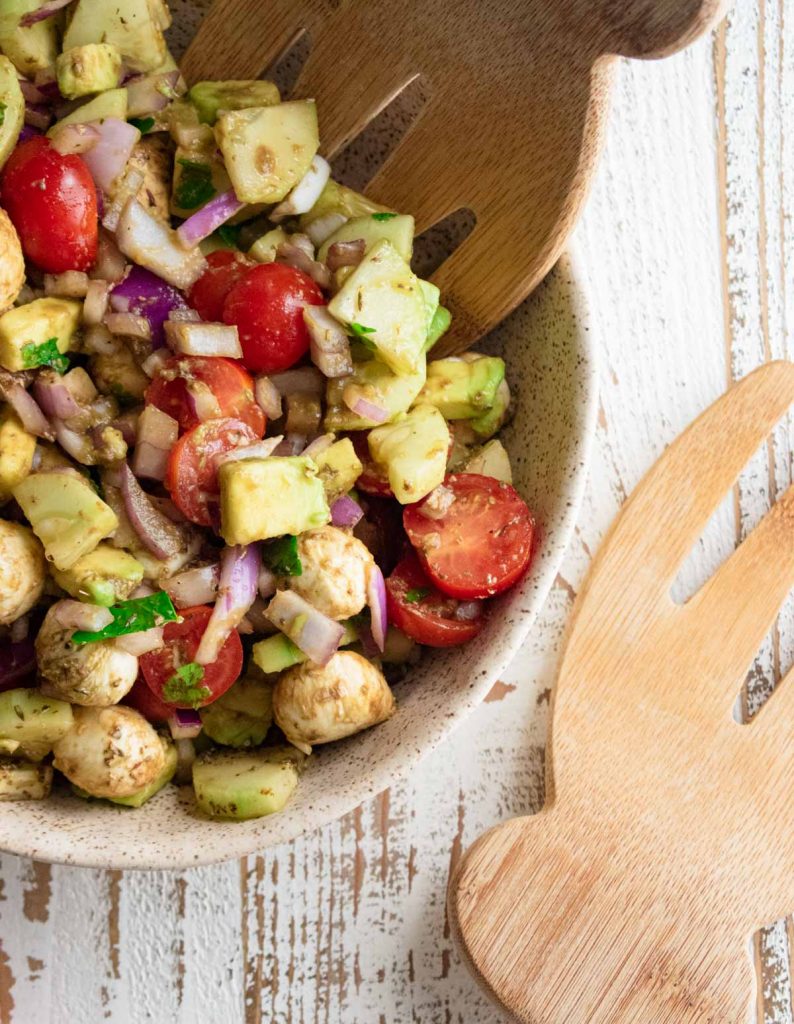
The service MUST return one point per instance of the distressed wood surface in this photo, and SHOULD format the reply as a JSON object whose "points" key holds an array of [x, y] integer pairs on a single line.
{"points": [[686, 235]]}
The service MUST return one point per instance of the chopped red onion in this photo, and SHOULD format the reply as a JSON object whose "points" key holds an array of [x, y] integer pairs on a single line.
{"points": [[107, 158], [362, 407], [45, 11], [157, 533], [129, 187], [305, 378], [147, 94], [329, 343], [185, 756], [17, 662], [321, 229], [110, 265], [345, 512], [27, 132], [320, 444], [200, 339], [27, 409], [54, 396], [316, 635], [79, 615], [185, 724], [154, 363], [295, 255], [79, 446], [98, 340], [268, 397], [72, 139], [129, 324], [305, 194], [258, 450], [31, 93], [346, 254], [148, 295], [127, 424], [468, 611], [236, 592], [202, 400], [96, 302], [266, 584], [141, 643], [193, 586], [209, 218], [19, 629], [72, 284], [184, 316], [37, 116], [153, 245], [376, 599], [437, 503], [157, 433], [293, 444]]}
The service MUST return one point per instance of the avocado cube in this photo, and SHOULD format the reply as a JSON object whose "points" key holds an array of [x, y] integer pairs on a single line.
{"points": [[383, 302], [209, 98], [278, 652], [132, 26], [29, 49], [112, 103], [493, 419], [17, 448], [242, 716], [397, 228], [66, 514], [377, 383], [463, 389], [263, 498], [338, 467], [264, 249], [12, 108], [413, 452], [439, 325], [242, 785], [267, 150], [29, 717], [24, 328], [169, 770], [103, 576], [340, 200], [490, 460], [86, 69]]}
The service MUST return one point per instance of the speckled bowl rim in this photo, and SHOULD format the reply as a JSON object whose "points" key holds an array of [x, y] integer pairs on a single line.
{"points": [[69, 841]]}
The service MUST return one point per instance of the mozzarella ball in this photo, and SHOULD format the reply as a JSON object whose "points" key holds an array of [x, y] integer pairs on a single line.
{"points": [[12, 263], [110, 752], [96, 674], [22, 571], [336, 568], [318, 704]]}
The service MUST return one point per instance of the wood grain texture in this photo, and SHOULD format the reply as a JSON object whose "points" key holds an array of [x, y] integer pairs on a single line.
{"points": [[348, 926], [484, 141]]}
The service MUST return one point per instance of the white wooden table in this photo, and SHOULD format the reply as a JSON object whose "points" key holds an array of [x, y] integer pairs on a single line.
{"points": [[686, 236]]}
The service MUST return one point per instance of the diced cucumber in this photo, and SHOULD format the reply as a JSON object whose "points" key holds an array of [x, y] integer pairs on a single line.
{"points": [[278, 652], [413, 451], [211, 97], [24, 329], [112, 103], [246, 785], [264, 249], [375, 382], [32, 48], [103, 576], [242, 716], [133, 26], [22, 781], [341, 200], [29, 717]]}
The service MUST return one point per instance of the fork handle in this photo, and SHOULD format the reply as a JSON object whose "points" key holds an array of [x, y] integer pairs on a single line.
{"points": [[652, 28]]}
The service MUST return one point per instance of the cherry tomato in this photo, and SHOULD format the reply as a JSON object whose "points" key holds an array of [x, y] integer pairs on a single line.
{"points": [[482, 545], [52, 202], [144, 700], [373, 479], [424, 613], [208, 294], [229, 383], [192, 473], [267, 304], [182, 639]]}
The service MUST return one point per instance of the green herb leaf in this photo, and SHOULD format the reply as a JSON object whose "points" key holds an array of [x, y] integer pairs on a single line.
{"points": [[229, 234], [45, 354], [183, 688], [195, 184], [360, 331], [143, 124], [133, 616], [383, 216], [3, 109], [416, 595], [281, 555]]}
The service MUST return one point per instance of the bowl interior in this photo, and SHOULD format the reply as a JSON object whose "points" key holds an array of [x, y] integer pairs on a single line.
{"points": [[547, 347]]}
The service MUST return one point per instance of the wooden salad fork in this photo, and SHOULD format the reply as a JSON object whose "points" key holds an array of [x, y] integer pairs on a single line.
{"points": [[518, 96], [667, 837]]}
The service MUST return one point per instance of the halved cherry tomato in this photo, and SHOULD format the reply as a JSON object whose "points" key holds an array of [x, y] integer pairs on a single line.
{"points": [[424, 613], [482, 545], [208, 294], [192, 474], [151, 707], [182, 639], [232, 387], [267, 304], [373, 479], [52, 202]]}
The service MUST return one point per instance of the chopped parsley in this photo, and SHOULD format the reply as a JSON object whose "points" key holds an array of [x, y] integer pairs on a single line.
{"points": [[183, 686], [360, 331], [281, 556], [3, 109], [133, 616], [143, 124], [45, 354], [416, 594], [383, 216], [194, 187], [229, 234]]}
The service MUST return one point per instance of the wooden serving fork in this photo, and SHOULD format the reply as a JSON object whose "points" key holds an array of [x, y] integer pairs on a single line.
{"points": [[667, 838], [518, 93]]}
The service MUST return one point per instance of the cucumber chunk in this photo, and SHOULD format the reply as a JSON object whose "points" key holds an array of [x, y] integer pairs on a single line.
{"points": [[28, 717], [241, 785]]}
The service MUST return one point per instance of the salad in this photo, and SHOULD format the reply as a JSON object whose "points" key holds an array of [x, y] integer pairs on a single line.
{"points": [[238, 493]]}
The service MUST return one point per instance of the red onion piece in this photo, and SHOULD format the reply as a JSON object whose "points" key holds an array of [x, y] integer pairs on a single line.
{"points": [[321, 229], [376, 599], [346, 254], [127, 424], [129, 324], [145, 294], [200, 339], [305, 378], [129, 187], [96, 302], [268, 397], [184, 316], [79, 615], [209, 218], [319, 444], [258, 450], [293, 444], [17, 662], [19, 629], [156, 434], [236, 592], [316, 635], [141, 643], [202, 401], [152, 244], [28, 132], [185, 724], [79, 446], [329, 343], [73, 284], [157, 533], [345, 512], [37, 116], [154, 363], [437, 503], [31, 93], [72, 139], [305, 194], [107, 158], [45, 11], [267, 583], [468, 611], [193, 586], [54, 396], [110, 265], [147, 94], [295, 255], [363, 408], [27, 409]]}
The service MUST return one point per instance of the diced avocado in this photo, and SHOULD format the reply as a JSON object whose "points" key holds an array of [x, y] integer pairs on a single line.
{"points": [[383, 301], [338, 467], [112, 103], [264, 249], [278, 652], [490, 460], [103, 576], [233, 784], [336, 198], [132, 26], [17, 448], [66, 514], [413, 452], [242, 716], [492, 420], [439, 325], [211, 97], [267, 150], [12, 108], [32, 48], [263, 498], [24, 328], [375, 382], [169, 769], [29, 717], [86, 69], [396, 228], [21, 781], [462, 389], [119, 374]]}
